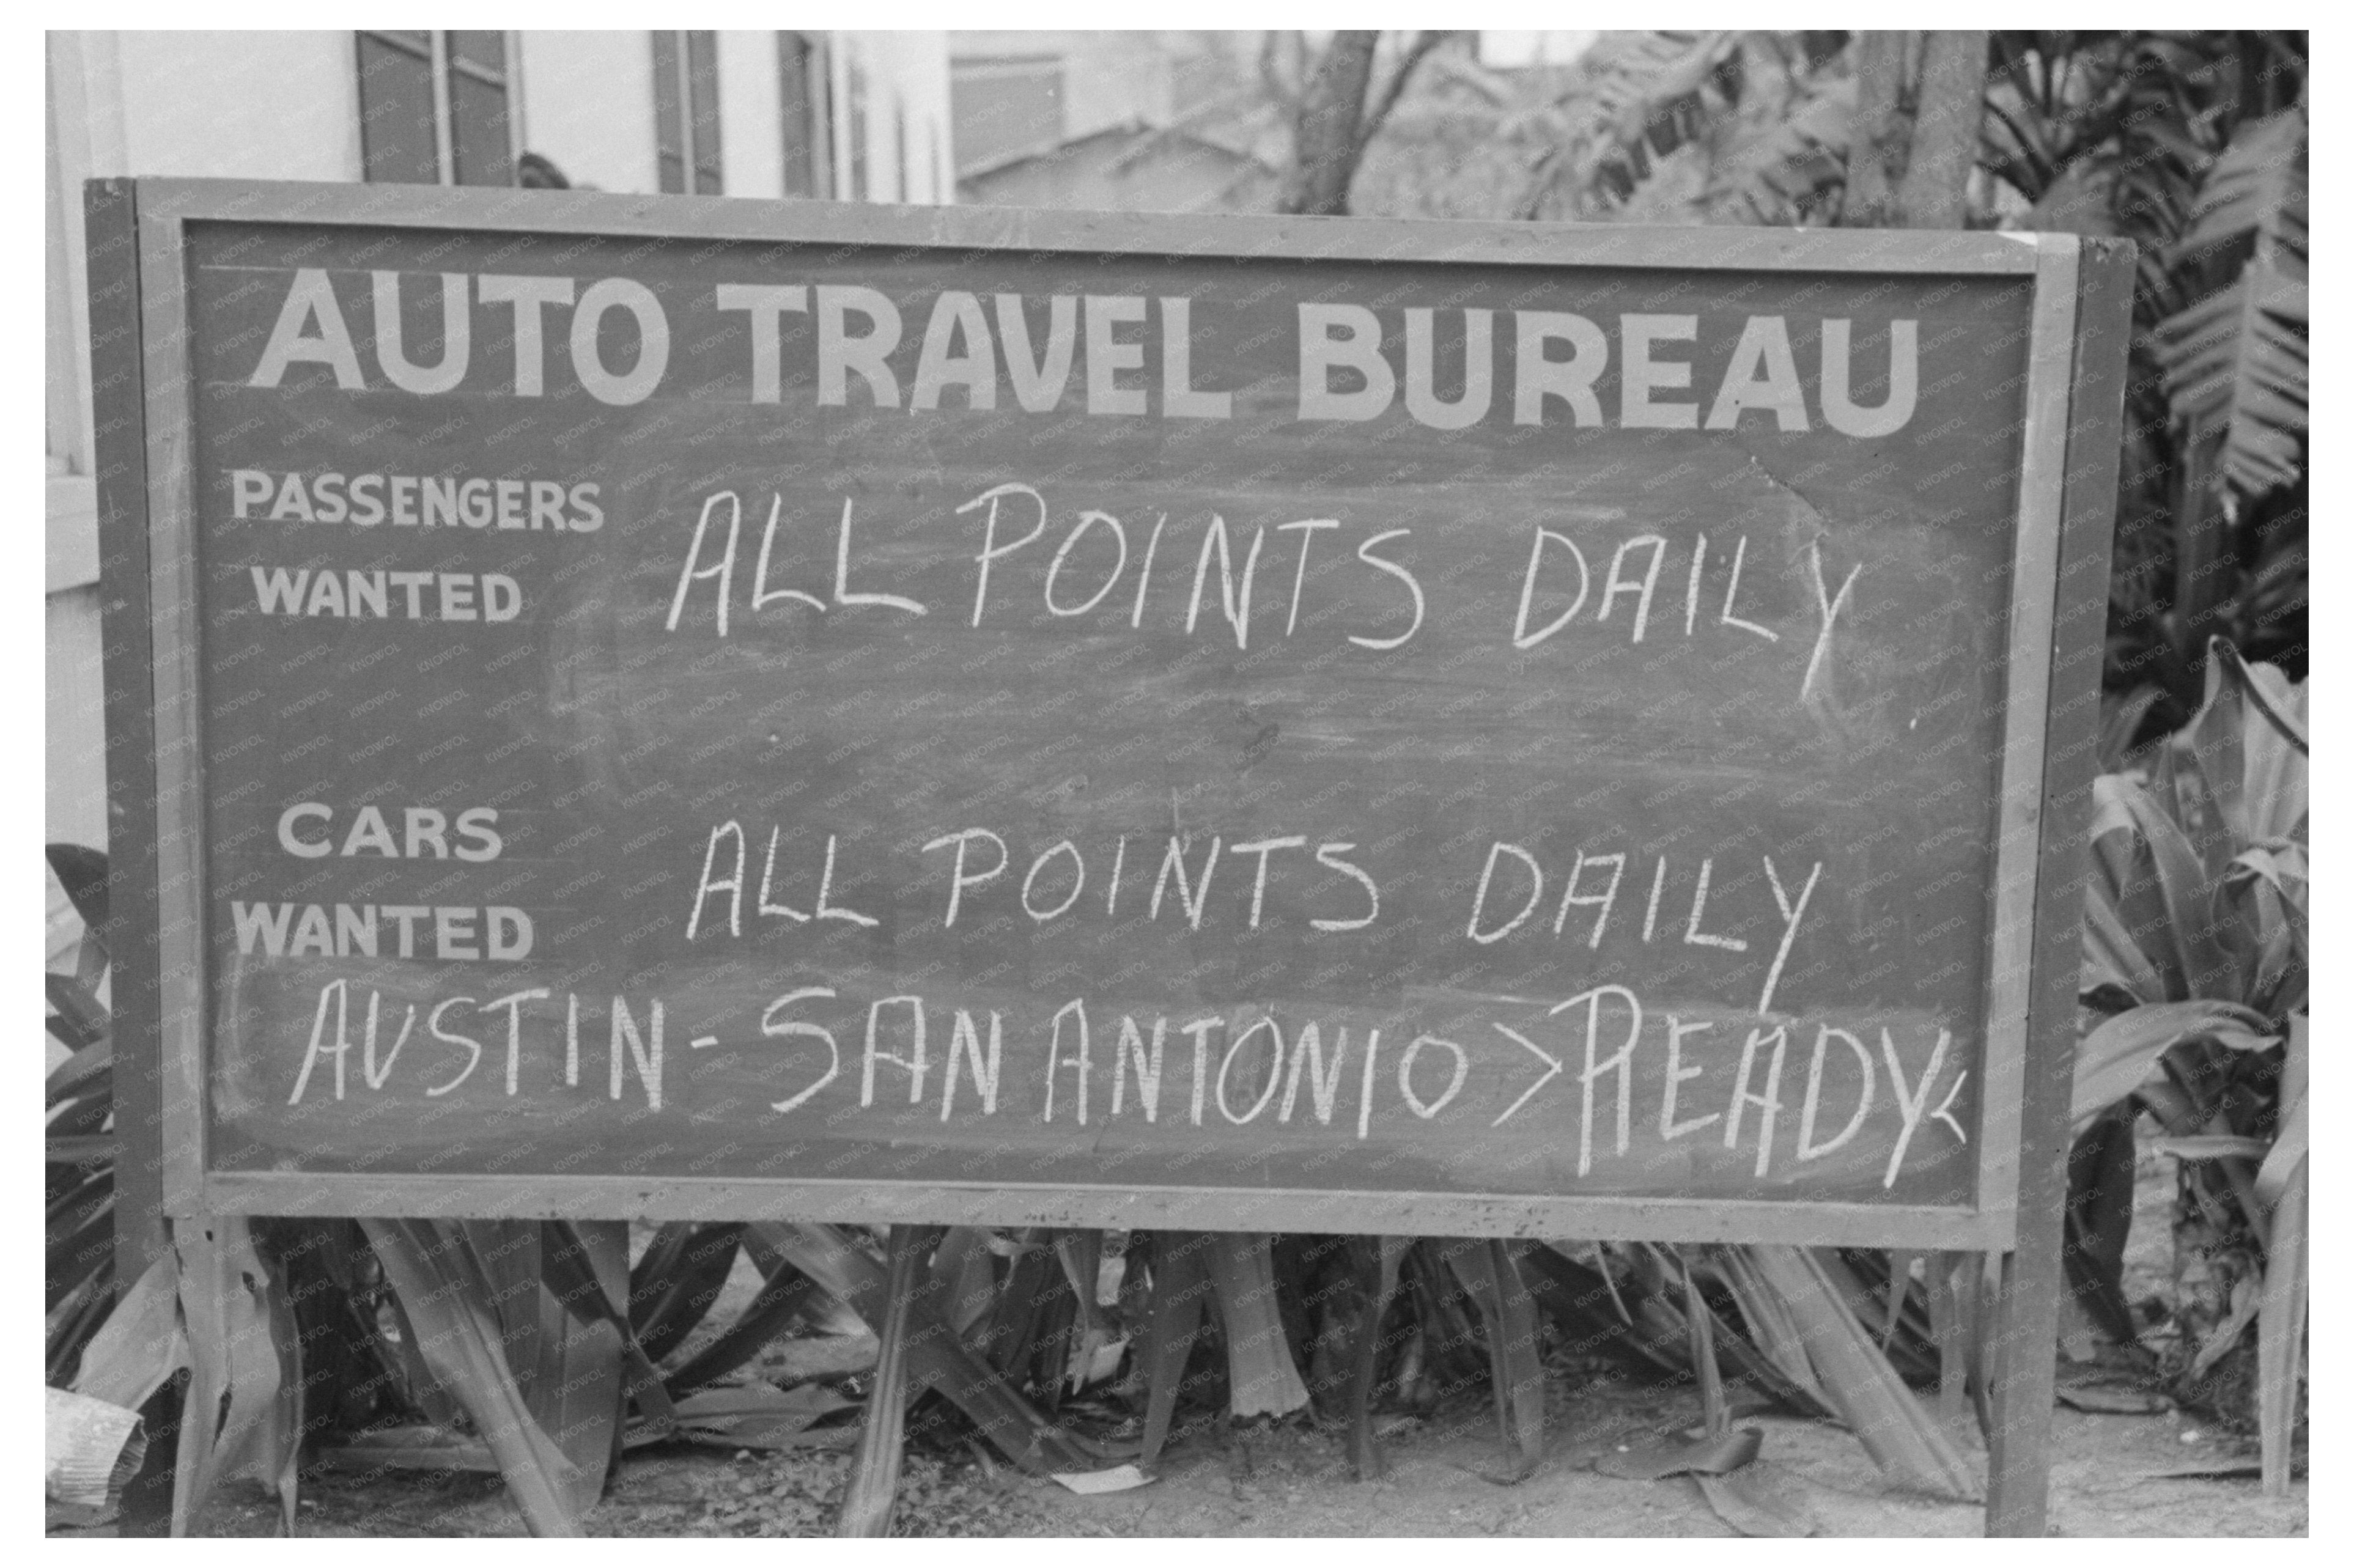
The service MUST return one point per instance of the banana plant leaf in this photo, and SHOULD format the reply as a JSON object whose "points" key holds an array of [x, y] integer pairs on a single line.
{"points": [[967, 1270], [1885, 1302], [2281, 702], [79, 1019], [676, 1282], [79, 1234], [1375, 1261], [1508, 1316], [2186, 890], [1855, 1378], [1594, 1316], [574, 1259], [2280, 1331], [2116, 1058], [81, 871], [447, 1299], [936, 1358], [1262, 1379], [242, 1417], [78, 1318], [1181, 1291], [2099, 1220], [2126, 940], [1029, 1334], [88, 1071], [569, 1370], [142, 1344], [756, 1417], [2282, 1181], [1080, 1254], [782, 1294]]}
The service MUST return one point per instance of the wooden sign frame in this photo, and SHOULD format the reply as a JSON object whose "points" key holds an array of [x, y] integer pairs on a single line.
{"points": [[141, 340]]}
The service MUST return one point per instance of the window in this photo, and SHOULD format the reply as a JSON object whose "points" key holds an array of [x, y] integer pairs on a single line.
{"points": [[899, 149], [1005, 107], [805, 95], [858, 186], [686, 112], [66, 450], [433, 109]]}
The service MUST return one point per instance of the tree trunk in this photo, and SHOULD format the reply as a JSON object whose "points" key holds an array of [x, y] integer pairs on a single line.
{"points": [[1919, 99], [1951, 103], [1326, 138]]}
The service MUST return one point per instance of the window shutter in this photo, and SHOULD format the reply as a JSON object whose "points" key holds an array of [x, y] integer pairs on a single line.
{"points": [[398, 144]]}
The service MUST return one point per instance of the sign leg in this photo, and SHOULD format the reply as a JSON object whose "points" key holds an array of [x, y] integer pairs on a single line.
{"points": [[2027, 1327], [118, 389], [874, 1485], [2019, 1446]]}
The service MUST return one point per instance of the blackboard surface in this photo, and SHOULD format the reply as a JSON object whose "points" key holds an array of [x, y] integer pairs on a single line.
{"points": [[677, 749]]}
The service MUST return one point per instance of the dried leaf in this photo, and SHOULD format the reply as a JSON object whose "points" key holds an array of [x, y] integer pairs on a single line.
{"points": [[2094, 1400], [1759, 1500], [1119, 1478], [1682, 1456], [411, 1448]]}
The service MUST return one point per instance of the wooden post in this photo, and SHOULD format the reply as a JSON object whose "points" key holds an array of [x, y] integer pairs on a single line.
{"points": [[2019, 1460], [118, 397], [1377, 1260], [118, 384], [874, 1483]]}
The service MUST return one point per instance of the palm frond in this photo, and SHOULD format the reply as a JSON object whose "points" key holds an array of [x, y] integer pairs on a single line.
{"points": [[2237, 373], [1647, 95], [1789, 168]]}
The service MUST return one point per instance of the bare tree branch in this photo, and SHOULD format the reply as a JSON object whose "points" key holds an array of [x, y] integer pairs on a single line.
{"points": [[1478, 78], [1387, 98], [1270, 74], [1324, 144]]}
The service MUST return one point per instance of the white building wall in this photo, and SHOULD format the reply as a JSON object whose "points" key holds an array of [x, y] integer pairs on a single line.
{"points": [[260, 105], [906, 72], [588, 104], [1108, 78], [285, 106], [751, 133]]}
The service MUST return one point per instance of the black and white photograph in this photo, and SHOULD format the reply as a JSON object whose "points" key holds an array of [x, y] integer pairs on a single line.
{"points": [[1160, 784]]}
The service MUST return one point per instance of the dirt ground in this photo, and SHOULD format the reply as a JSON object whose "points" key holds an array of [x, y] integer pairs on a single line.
{"points": [[1293, 1480], [2110, 1472]]}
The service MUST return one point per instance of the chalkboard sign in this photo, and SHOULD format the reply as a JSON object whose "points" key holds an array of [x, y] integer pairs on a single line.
{"points": [[697, 707]]}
